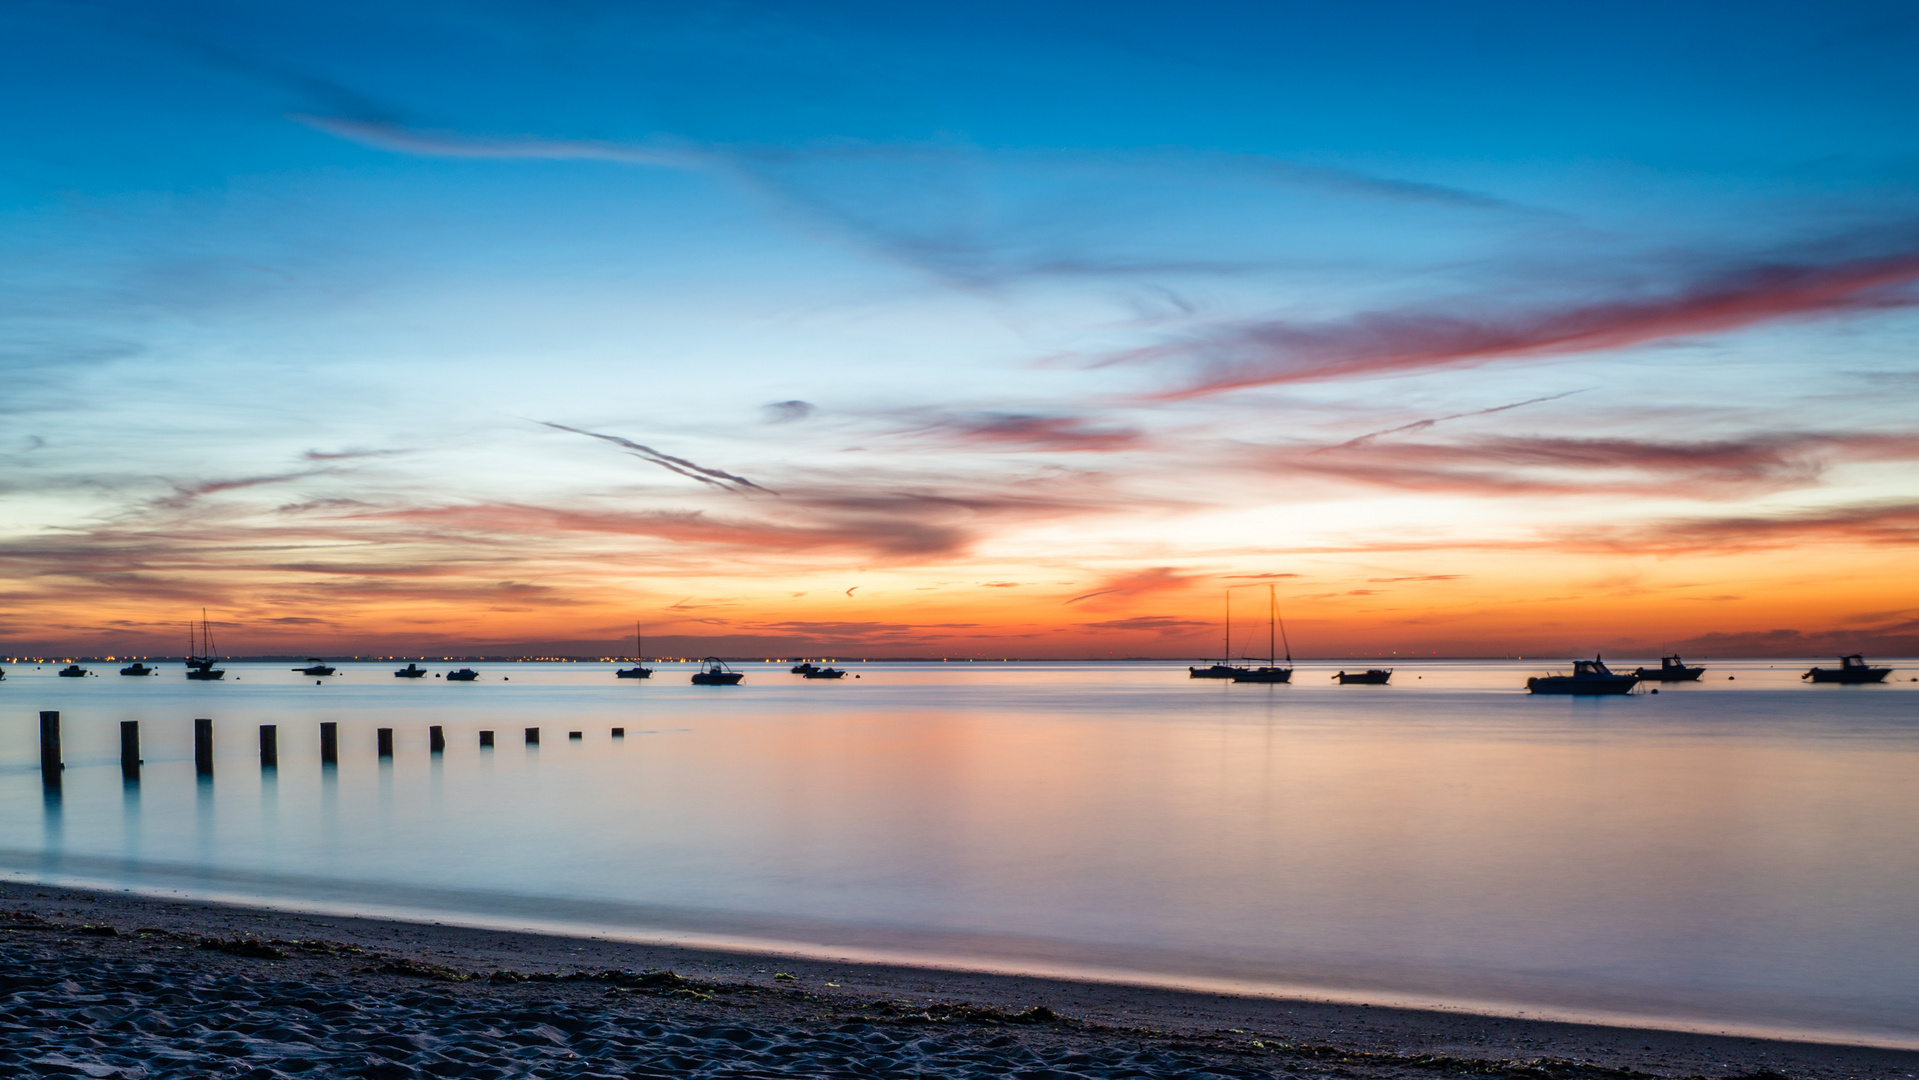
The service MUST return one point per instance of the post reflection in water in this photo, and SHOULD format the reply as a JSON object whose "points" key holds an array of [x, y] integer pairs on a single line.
{"points": [[1727, 854]]}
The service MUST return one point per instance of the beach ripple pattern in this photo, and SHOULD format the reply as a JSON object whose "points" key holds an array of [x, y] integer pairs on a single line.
{"points": [[66, 1016]]}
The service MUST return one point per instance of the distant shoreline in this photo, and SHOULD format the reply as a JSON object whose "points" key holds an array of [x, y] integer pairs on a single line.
{"points": [[430, 976]]}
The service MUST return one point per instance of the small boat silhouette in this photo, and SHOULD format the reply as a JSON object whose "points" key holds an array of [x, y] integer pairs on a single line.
{"points": [[803, 667], [314, 667], [639, 670], [138, 668], [714, 672], [1851, 669], [411, 671], [823, 673], [200, 652], [74, 671], [1670, 669], [465, 674], [1369, 677], [1224, 669], [1272, 672], [1589, 677]]}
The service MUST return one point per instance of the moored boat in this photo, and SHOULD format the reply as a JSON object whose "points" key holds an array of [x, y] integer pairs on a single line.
{"points": [[1589, 678], [804, 667], [137, 668], [1224, 669], [1851, 669], [639, 670], [200, 652], [411, 671], [465, 674], [1670, 669], [1272, 672], [714, 672], [1369, 677], [823, 673], [74, 671], [315, 666]]}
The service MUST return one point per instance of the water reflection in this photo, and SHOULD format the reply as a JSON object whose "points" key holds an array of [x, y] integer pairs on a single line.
{"points": [[1726, 855]]}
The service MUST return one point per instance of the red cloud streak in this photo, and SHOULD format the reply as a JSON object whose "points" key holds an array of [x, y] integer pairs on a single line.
{"points": [[1377, 343]]}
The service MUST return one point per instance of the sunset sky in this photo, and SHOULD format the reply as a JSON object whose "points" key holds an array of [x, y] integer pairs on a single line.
{"points": [[974, 330]]}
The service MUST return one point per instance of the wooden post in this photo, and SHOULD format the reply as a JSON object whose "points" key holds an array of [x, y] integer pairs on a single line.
{"points": [[269, 746], [386, 742], [329, 743], [130, 750], [619, 733], [50, 764], [203, 747], [533, 736], [486, 738], [436, 739]]}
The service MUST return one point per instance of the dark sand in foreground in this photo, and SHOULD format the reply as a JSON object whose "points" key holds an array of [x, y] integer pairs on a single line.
{"points": [[108, 984]]}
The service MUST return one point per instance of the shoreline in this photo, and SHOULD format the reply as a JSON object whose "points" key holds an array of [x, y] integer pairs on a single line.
{"points": [[792, 998]]}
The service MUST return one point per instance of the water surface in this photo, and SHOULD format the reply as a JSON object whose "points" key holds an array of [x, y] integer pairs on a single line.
{"points": [[1732, 855]]}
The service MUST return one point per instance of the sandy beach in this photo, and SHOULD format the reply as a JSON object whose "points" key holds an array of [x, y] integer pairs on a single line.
{"points": [[111, 984]]}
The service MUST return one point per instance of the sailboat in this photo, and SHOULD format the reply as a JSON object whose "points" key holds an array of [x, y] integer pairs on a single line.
{"points": [[1272, 672], [1224, 669], [639, 670], [200, 652]]}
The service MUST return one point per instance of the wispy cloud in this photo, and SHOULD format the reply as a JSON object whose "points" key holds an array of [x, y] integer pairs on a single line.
{"points": [[717, 478], [1408, 340], [1025, 431], [1138, 583]]}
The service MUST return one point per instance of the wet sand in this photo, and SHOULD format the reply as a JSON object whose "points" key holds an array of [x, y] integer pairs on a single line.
{"points": [[110, 984]]}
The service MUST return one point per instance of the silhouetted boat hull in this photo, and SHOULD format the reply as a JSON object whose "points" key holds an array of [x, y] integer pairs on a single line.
{"points": [[314, 667], [411, 671], [1217, 671], [713, 672], [824, 673], [1851, 669], [138, 669], [1369, 677], [465, 674], [73, 671], [634, 673], [1670, 669], [1265, 674], [1590, 678]]}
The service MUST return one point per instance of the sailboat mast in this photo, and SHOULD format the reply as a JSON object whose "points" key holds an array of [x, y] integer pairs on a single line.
{"points": [[1229, 627], [1272, 613]]}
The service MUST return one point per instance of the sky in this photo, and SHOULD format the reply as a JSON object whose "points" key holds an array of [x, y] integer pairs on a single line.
{"points": [[983, 330]]}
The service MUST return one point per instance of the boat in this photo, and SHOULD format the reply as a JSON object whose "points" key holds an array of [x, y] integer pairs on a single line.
{"points": [[1369, 677], [137, 668], [315, 666], [639, 670], [1851, 669], [1589, 677], [74, 671], [1670, 669], [465, 674], [1272, 672], [411, 671], [823, 673], [1224, 669], [200, 652], [714, 672], [803, 668]]}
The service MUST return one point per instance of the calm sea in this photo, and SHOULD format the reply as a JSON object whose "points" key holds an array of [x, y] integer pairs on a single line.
{"points": [[1742, 854]]}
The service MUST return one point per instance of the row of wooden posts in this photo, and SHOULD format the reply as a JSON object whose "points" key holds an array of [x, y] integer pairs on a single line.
{"points": [[130, 760]]}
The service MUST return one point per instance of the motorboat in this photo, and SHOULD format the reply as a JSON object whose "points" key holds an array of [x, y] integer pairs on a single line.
{"points": [[465, 674], [1369, 677], [639, 670], [1589, 677], [1851, 669], [1272, 672], [823, 673], [137, 668], [803, 668], [1670, 669], [74, 671], [714, 672], [411, 671], [315, 666], [200, 652]]}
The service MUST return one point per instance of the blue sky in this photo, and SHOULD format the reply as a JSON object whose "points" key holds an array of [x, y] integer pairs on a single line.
{"points": [[1128, 299]]}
